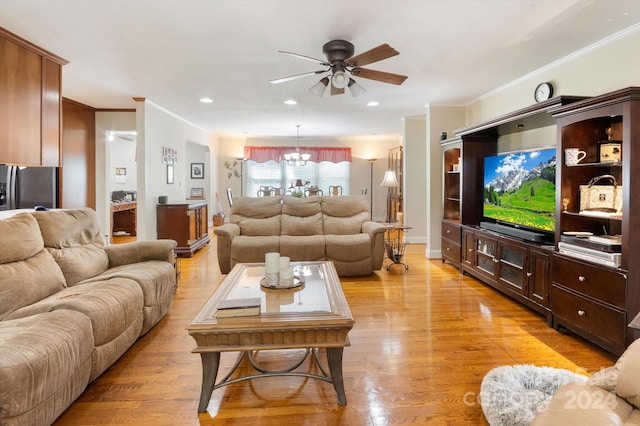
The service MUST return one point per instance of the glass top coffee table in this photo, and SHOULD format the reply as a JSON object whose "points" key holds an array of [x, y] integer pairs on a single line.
{"points": [[312, 316]]}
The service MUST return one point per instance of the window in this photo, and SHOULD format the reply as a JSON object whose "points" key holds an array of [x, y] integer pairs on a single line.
{"points": [[280, 175]]}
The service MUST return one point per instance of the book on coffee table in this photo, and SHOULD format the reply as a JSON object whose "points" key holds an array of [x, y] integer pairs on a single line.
{"points": [[238, 307]]}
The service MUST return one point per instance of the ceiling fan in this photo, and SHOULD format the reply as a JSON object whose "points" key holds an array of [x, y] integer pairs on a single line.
{"points": [[342, 65]]}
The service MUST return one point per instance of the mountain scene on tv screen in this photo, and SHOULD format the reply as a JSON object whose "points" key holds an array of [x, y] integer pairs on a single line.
{"points": [[520, 189]]}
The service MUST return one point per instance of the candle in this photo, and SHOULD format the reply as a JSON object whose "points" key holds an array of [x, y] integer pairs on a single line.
{"points": [[284, 262], [271, 263], [286, 277], [399, 217]]}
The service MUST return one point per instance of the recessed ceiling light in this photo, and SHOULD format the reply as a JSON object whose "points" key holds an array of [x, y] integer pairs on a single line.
{"points": [[290, 102], [206, 100], [373, 103]]}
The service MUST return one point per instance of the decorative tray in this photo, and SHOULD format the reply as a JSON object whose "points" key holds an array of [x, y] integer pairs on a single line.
{"points": [[297, 282]]}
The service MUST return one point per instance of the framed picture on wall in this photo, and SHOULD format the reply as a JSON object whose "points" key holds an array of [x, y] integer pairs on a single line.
{"points": [[197, 170], [197, 192], [170, 173]]}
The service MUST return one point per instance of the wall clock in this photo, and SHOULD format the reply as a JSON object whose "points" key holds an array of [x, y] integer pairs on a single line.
{"points": [[543, 91]]}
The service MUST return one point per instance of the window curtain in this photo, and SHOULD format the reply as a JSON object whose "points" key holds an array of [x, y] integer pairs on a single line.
{"points": [[261, 154]]}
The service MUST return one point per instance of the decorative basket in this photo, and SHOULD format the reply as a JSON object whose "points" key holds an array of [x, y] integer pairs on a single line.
{"points": [[218, 219]]}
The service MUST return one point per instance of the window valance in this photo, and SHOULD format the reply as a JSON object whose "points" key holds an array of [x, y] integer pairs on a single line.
{"points": [[261, 154]]}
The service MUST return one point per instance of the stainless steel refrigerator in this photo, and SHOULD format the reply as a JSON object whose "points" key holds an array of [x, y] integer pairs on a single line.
{"points": [[28, 187]]}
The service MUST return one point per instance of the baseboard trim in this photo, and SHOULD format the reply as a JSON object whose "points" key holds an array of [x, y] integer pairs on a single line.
{"points": [[433, 254]]}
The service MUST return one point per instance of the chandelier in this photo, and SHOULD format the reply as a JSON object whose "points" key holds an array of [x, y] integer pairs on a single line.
{"points": [[295, 158]]}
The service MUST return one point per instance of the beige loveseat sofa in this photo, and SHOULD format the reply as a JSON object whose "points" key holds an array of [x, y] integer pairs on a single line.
{"points": [[70, 307], [338, 229], [610, 397]]}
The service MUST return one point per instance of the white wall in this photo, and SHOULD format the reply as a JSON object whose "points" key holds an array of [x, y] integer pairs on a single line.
{"points": [[607, 66], [159, 128], [414, 187], [123, 155], [439, 119]]}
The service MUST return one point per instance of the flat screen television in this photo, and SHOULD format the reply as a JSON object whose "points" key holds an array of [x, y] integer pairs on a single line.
{"points": [[520, 189]]}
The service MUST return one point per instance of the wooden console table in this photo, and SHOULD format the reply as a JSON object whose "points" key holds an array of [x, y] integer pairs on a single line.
{"points": [[124, 218], [186, 222]]}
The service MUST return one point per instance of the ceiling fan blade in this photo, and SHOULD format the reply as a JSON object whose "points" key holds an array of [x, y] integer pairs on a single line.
{"points": [[306, 58], [336, 91], [385, 77], [293, 77], [376, 54]]}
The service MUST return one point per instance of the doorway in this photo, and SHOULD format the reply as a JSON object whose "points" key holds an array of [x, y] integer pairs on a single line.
{"points": [[122, 185]]}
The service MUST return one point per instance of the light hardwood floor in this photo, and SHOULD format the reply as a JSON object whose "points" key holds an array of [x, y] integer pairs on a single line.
{"points": [[422, 343]]}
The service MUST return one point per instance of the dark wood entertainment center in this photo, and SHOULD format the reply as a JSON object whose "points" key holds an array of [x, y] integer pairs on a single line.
{"points": [[592, 300]]}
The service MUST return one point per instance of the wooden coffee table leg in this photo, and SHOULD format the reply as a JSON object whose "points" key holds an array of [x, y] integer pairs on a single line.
{"points": [[334, 358], [210, 363]]}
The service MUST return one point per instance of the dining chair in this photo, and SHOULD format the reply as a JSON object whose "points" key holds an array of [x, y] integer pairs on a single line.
{"points": [[335, 190], [313, 191], [269, 191]]}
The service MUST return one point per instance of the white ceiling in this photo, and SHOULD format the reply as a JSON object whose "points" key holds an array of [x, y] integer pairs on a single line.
{"points": [[173, 52]]}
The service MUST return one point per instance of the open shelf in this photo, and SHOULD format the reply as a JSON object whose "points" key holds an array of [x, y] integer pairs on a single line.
{"points": [[597, 164], [605, 216]]}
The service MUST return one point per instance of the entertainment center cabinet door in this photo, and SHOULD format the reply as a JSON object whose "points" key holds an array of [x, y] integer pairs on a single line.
{"points": [[512, 259], [539, 275], [467, 251], [486, 254]]}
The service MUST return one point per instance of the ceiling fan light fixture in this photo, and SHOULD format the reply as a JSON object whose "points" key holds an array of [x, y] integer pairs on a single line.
{"points": [[339, 80], [355, 88], [319, 88]]}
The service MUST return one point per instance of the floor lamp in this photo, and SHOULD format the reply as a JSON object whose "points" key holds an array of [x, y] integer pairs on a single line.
{"points": [[371, 160], [389, 180]]}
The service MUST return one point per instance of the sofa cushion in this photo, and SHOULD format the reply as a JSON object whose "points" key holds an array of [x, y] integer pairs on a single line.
{"points": [[245, 249], [28, 271], [301, 216], [111, 306], [74, 239], [257, 216], [21, 238], [157, 280], [344, 215], [348, 247], [44, 367], [298, 248]]}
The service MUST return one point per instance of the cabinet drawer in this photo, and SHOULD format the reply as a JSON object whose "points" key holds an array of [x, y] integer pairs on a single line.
{"points": [[450, 250], [451, 231], [604, 285], [596, 320]]}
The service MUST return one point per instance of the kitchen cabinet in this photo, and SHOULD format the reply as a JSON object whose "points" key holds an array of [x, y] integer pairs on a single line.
{"points": [[30, 103]]}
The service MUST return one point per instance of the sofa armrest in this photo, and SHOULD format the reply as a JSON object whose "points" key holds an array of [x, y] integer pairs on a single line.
{"points": [[373, 228], [583, 404], [225, 235], [140, 251], [376, 234], [229, 230]]}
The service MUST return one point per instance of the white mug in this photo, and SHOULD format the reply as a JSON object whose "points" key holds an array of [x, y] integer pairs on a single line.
{"points": [[573, 156]]}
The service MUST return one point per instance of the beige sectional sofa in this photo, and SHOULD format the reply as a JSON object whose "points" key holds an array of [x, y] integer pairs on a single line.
{"points": [[338, 229], [70, 307], [610, 397]]}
